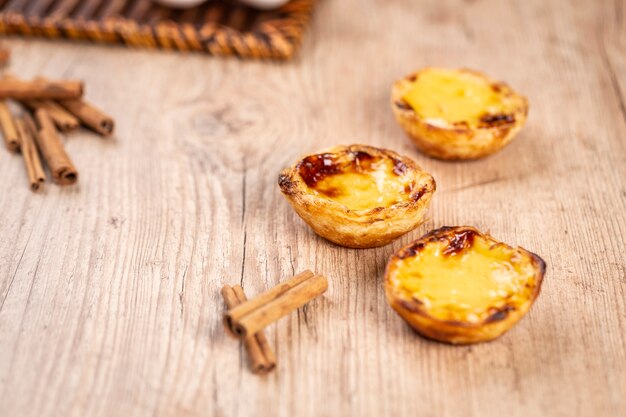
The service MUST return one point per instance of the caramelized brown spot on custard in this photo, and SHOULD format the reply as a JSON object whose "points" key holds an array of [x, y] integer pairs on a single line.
{"points": [[399, 167], [331, 192], [460, 242], [457, 242], [412, 250], [498, 314], [315, 168], [493, 120], [496, 87], [362, 160]]}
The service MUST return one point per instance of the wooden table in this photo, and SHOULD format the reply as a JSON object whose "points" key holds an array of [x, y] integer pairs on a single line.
{"points": [[109, 291]]}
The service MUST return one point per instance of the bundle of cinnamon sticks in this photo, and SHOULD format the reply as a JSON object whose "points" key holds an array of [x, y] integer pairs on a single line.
{"points": [[246, 319], [52, 106]]}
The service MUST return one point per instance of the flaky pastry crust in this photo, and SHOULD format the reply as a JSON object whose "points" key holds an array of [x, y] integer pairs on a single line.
{"points": [[499, 315], [459, 141], [365, 227]]}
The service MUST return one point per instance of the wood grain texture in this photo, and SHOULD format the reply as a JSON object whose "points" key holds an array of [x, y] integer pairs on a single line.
{"points": [[109, 290]]}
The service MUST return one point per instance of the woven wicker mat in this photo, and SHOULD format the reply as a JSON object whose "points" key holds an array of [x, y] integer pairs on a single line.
{"points": [[220, 27]]}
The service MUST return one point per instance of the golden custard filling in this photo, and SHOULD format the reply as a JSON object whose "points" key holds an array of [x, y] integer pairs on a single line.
{"points": [[452, 97], [468, 284], [357, 181]]}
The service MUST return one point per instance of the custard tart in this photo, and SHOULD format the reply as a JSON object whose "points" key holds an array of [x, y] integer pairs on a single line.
{"points": [[458, 285], [457, 113], [358, 196]]}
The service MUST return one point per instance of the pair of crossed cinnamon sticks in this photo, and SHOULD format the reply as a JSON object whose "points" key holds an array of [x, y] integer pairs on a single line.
{"points": [[56, 106], [246, 319]]}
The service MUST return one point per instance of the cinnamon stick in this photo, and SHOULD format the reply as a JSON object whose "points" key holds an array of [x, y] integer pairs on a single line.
{"points": [[260, 336], [90, 115], [63, 119], [17, 89], [266, 297], [9, 131], [59, 164], [254, 315], [262, 359], [32, 162]]}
